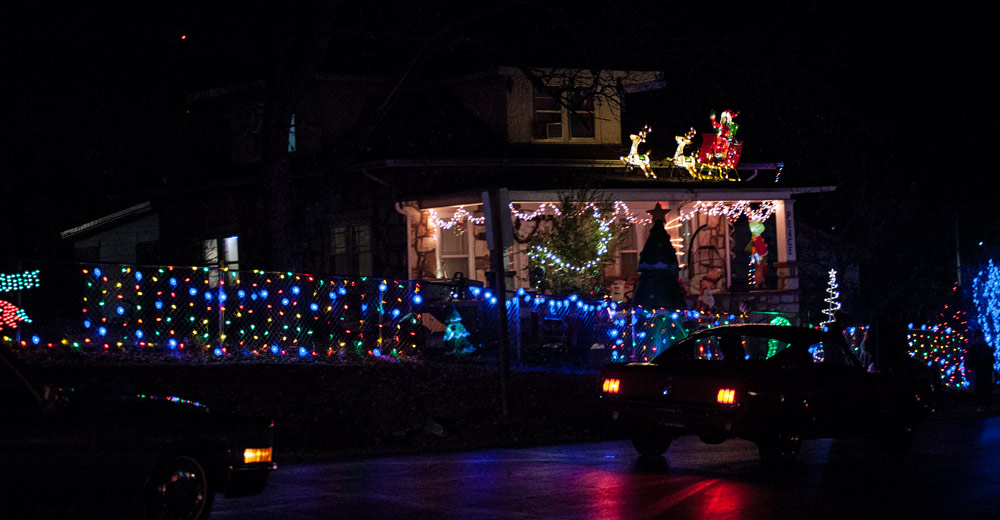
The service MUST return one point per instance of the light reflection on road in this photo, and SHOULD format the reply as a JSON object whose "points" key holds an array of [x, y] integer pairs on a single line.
{"points": [[953, 470]]}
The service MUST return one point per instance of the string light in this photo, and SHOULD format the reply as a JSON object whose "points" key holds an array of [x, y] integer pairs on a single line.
{"points": [[19, 282], [10, 314], [986, 297], [732, 211], [634, 159], [833, 305]]}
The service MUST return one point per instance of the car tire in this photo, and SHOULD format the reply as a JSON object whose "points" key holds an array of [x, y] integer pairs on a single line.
{"points": [[178, 489], [780, 451], [651, 442]]}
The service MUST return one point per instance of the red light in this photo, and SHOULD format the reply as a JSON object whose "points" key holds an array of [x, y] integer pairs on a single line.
{"points": [[726, 396], [611, 386]]}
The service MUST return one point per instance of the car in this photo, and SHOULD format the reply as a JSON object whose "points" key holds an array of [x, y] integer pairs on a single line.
{"points": [[75, 454], [773, 385]]}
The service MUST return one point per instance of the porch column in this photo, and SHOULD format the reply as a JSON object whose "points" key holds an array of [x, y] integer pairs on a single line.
{"points": [[788, 276]]}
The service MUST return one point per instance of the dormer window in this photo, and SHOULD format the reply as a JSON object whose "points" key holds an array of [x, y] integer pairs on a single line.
{"points": [[564, 114]]}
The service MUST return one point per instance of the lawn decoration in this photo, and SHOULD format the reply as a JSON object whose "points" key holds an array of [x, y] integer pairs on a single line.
{"points": [[657, 285], [457, 337], [634, 159], [11, 314], [757, 249]]}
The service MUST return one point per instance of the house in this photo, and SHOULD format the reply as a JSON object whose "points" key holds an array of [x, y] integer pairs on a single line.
{"points": [[411, 205]]}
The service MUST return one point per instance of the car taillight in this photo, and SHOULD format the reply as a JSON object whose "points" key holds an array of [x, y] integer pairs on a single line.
{"points": [[611, 386], [254, 455], [726, 396]]}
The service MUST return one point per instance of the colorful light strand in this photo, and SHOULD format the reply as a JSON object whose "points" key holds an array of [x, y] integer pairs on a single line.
{"points": [[832, 303]]}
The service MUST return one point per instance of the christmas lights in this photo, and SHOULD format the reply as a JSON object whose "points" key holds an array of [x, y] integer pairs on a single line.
{"points": [[986, 298], [634, 159], [831, 300], [10, 314], [19, 282], [732, 211]]}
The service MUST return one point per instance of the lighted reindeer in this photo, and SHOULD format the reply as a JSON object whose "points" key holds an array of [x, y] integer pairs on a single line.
{"points": [[634, 159], [689, 163]]}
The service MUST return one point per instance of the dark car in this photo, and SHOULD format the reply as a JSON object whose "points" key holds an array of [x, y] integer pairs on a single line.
{"points": [[74, 454], [773, 385]]}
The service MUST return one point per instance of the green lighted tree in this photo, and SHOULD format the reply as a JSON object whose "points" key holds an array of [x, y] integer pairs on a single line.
{"points": [[568, 252]]}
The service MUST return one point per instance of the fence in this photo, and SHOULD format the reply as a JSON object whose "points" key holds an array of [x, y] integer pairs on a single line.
{"points": [[236, 314]]}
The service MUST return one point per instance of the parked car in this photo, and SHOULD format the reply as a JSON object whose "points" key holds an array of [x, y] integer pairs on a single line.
{"points": [[76, 454], [772, 385]]}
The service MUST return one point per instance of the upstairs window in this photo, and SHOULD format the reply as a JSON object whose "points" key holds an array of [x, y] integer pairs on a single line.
{"points": [[564, 114]]}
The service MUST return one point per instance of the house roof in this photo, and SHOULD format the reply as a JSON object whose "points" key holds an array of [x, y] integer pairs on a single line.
{"points": [[108, 220], [435, 183]]}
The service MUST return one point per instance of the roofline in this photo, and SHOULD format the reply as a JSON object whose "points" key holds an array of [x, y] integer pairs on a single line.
{"points": [[666, 194], [126, 213]]}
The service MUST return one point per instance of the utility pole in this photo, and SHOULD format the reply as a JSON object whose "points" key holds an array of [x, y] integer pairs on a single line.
{"points": [[496, 216]]}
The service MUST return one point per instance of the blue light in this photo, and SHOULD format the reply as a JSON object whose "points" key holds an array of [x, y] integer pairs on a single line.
{"points": [[332, 295], [382, 287], [612, 333], [314, 307], [303, 352], [139, 334], [364, 308], [208, 296], [493, 300], [619, 341], [342, 290], [275, 350], [909, 326], [417, 299], [35, 339], [138, 276], [263, 294], [377, 352], [295, 289], [217, 351], [86, 324], [673, 316], [284, 301], [395, 313], [192, 291], [475, 291], [241, 293], [695, 314], [102, 331], [120, 310], [641, 335], [487, 294], [97, 272], [732, 316], [173, 282], [222, 296], [253, 297], [172, 343], [573, 297], [520, 292]]}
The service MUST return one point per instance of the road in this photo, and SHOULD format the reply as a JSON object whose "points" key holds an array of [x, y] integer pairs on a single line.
{"points": [[953, 471]]}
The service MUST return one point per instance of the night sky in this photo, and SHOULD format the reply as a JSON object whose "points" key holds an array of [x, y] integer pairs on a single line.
{"points": [[892, 106]]}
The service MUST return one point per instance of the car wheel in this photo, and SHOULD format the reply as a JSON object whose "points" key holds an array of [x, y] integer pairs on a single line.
{"points": [[651, 442], [779, 451], [178, 490]]}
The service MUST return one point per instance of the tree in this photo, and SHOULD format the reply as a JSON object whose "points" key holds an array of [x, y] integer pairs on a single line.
{"points": [[568, 254]]}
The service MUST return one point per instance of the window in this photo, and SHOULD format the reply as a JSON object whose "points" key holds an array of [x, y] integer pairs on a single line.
{"points": [[629, 253], [453, 248], [564, 114]]}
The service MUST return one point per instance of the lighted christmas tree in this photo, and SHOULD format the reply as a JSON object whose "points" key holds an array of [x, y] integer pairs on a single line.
{"points": [[456, 336], [657, 285], [942, 345], [832, 303]]}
